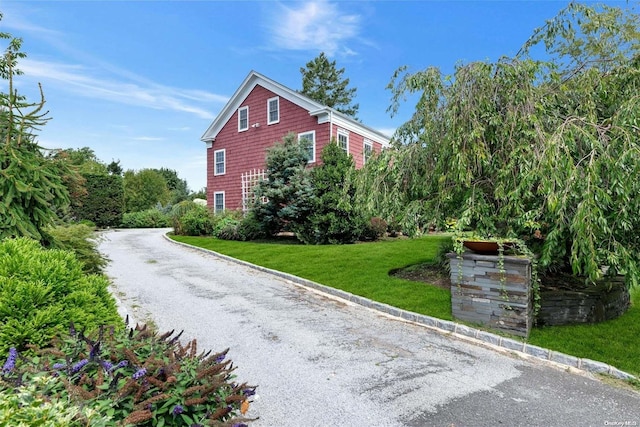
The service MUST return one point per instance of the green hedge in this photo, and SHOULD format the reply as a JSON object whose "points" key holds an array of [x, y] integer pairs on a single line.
{"points": [[151, 218], [43, 290], [104, 202]]}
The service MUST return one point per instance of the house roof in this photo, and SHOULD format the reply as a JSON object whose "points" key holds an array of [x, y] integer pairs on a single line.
{"points": [[322, 112]]}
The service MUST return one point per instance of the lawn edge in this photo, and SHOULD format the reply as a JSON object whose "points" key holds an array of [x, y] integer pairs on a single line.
{"points": [[466, 333]]}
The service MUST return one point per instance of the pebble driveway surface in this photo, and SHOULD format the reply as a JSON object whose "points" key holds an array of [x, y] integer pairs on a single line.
{"points": [[323, 361]]}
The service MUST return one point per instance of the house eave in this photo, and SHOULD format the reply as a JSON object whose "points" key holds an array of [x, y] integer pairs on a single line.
{"points": [[323, 113]]}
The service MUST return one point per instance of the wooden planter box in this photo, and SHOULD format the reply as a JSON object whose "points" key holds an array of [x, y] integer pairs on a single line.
{"points": [[481, 293]]}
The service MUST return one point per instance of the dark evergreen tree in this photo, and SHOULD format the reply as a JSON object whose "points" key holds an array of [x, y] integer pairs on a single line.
{"points": [[323, 82], [283, 200], [114, 168], [103, 203], [31, 184], [333, 219]]}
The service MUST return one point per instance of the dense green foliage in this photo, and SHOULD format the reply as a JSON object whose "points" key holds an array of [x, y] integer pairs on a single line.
{"points": [[317, 205], [82, 241], [44, 290], [540, 150], [191, 219], [84, 160], [323, 82], [114, 168], [32, 185], [333, 218], [238, 227], [284, 198], [144, 189], [134, 377], [103, 203], [177, 187], [197, 222], [149, 218], [177, 212]]}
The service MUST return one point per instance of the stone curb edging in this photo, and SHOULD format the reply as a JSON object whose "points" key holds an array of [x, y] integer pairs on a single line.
{"points": [[442, 326]]}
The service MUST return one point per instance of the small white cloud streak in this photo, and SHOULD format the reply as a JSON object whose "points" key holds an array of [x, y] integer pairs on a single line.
{"points": [[79, 80], [313, 25], [13, 22]]}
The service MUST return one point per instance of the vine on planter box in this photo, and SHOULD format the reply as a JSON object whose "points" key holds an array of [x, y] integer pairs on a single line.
{"points": [[515, 245]]}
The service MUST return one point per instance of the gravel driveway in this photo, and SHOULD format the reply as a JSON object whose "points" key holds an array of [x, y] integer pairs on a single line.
{"points": [[320, 361]]}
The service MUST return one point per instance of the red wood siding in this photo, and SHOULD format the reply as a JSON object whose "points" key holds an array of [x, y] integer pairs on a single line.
{"points": [[356, 145], [246, 150]]}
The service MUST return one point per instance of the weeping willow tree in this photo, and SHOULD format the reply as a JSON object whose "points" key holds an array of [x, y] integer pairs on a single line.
{"points": [[546, 151]]}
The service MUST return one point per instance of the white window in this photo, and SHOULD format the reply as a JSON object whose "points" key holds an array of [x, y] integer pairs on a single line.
{"points": [[218, 201], [343, 140], [367, 150], [311, 137], [219, 167], [273, 110], [243, 119]]}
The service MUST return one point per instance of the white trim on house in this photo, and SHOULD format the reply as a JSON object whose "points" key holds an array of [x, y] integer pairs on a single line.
{"points": [[215, 201], [336, 118], [277, 110], [216, 162], [240, 111], [343, 140], [323, 113], [312, 133]]}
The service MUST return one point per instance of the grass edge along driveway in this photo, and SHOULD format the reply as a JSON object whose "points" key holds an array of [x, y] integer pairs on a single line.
{"points": [[363, 269]]}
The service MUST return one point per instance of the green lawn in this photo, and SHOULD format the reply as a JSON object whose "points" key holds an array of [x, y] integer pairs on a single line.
{"points": [[363, 269]]}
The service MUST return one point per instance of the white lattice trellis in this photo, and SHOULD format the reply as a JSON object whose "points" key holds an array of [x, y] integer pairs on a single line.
{"points": [[249, 181]]}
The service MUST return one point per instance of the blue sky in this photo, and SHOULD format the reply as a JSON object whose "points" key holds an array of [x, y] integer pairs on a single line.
{"points": [[140, 81]]}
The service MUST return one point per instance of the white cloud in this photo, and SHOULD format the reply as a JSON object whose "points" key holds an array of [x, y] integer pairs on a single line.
{"points": [[314, 25], [82, 81]]}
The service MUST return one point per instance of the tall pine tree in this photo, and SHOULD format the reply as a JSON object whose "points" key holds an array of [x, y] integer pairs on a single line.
{"points": [[323, 82]]}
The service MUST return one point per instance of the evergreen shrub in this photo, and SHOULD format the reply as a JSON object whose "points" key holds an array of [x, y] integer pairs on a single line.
{"points": [[197, 221], [82, 240], [44, 290], [374, 229], [177, 212], [333, 219], [103, 203], [150, 218]]}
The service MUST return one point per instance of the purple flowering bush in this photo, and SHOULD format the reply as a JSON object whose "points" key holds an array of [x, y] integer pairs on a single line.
{"points": [[134, 377]]}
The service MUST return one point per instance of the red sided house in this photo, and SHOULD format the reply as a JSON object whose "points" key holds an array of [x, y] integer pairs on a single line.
{"points": [[260, 113]]}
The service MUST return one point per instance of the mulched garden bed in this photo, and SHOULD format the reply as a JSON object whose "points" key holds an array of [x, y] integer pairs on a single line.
{"points": [[426, 273]]}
